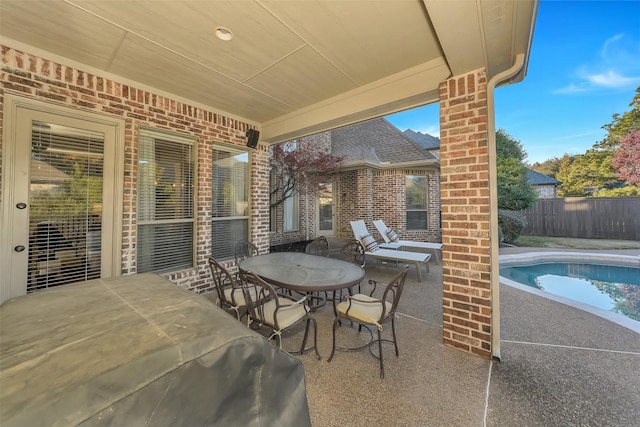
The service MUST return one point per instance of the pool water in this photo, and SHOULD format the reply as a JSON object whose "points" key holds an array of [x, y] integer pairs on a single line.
{"points": [[611, 288]]}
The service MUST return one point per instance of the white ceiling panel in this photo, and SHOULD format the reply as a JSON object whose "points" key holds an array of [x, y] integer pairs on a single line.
{"points": [[293, 66], [188, 28], [47, 25], [140, 60], [302, 79], [387, 37]]}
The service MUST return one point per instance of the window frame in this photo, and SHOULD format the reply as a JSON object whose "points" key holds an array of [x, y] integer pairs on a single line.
{"points": [[172, 137], [234, 150], [425, 209], [291, 213]]}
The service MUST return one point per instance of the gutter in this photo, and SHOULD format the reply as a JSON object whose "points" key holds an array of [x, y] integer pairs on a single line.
{"points": [[360, 164], [493, 200]]}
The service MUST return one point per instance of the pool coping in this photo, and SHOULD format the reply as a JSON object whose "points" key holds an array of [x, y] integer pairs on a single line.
{"points": [[540, 257]]}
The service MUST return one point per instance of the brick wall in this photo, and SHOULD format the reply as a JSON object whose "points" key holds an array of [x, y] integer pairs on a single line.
{"points": [[37, 78], [367, 194], [465, 213], [389, 203], [347, 202], [546, 191]]}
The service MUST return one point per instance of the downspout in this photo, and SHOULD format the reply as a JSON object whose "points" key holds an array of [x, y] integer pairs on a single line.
{"points": [[493, 202]]}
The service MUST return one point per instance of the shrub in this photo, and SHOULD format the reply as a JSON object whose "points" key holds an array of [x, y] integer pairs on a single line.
{"points": [[512, 224]]}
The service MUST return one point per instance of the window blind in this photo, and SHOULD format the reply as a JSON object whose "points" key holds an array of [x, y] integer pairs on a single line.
{"points": [[230, 195], [65, 205], [416, 198], [166, 194]]}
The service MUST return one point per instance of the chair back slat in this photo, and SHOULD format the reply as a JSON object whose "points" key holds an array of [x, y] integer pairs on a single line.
{"points": [[353, 252], [318, 246], [257, 293], [226, 287], [393, 290], [245, 249]]}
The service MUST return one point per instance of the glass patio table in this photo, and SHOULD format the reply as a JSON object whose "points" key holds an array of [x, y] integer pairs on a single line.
{"points": [[303, 272]]}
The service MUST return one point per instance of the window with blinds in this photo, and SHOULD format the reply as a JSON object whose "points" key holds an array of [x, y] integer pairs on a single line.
{"points": [[230, 217], [65, 205], [166, 197], [416, 197]]}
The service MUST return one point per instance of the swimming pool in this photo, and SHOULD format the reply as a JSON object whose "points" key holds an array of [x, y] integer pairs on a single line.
{"points": [[606, 283]]}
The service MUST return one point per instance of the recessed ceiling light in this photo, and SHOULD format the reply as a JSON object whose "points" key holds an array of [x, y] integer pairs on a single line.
{"points": [[224, 33]]}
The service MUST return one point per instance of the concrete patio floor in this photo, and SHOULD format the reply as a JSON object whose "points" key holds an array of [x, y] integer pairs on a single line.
{"points": [[559, 366]]}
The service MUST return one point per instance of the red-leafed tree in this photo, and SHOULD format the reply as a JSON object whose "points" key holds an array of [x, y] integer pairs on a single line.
{"points": [[627, 158], [300, 168]]}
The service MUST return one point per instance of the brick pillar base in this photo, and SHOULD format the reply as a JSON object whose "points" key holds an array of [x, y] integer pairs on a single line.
{"points": [[464, 174]]}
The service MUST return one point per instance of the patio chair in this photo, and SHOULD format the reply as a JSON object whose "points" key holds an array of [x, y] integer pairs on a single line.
{"points": [[373, 250], [391, 241], [353, 251], [275, 311], [229, 292], [245, 249], [369, 311], [318, 246]]}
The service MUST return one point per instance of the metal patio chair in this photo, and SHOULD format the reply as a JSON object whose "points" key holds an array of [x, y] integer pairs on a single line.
{"points": [[370, 312], [278, 312]]}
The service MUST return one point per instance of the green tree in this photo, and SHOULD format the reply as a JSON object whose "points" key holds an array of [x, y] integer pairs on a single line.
{"points": [[593, 173], [76, 196], [549, 167], [584, 174], [514, 191], [622, 125]]}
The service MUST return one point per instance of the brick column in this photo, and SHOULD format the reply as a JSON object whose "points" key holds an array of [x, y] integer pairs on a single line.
{"points": [[464, 174]]}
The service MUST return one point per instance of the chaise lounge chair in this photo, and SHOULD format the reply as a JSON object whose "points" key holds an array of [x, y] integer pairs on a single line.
{"points": [[372, 249], [397, 244]]}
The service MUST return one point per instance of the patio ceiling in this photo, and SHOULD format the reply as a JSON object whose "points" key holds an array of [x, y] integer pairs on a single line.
{"points": [[293, 67]]}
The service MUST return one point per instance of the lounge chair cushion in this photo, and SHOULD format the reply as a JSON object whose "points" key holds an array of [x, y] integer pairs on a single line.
{"points": [[369, 243], [392, 235]]}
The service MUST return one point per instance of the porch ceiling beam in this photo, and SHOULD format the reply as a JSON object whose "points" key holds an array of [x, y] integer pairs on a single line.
{"points": [[407, 89]]}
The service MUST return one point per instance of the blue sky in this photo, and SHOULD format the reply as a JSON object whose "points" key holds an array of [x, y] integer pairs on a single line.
{"points": [[583, 68]]}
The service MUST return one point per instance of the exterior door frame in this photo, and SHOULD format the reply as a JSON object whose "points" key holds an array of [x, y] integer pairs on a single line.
{"points": [[16, 179]]}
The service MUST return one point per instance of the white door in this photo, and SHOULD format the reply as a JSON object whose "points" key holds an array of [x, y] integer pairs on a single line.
{"points": [[326, 211], [61, 198]]}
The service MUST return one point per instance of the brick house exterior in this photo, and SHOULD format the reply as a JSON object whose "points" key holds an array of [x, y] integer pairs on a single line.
{"points": [[464, 178], [39, 79], [370, 184]]}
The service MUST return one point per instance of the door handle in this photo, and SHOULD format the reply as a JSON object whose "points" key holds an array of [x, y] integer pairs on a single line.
{"points": [[19, 248]]}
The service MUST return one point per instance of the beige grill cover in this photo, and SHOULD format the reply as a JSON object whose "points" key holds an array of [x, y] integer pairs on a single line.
{"points": [[139, 350]]}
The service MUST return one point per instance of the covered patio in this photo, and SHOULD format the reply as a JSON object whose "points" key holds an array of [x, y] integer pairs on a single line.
{"points": [[216, 72]]}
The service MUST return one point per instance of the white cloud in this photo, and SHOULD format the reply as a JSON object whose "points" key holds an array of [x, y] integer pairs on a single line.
{"points": [[611, 79], [605, 47], [572, 88], [616, 66]]}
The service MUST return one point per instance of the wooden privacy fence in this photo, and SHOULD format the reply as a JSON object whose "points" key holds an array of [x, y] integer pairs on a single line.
{"points": [[585, 217]]}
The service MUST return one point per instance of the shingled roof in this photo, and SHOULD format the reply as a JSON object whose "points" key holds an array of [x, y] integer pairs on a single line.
{"points": [[376, 141], [536, 178], [426, 141]]}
